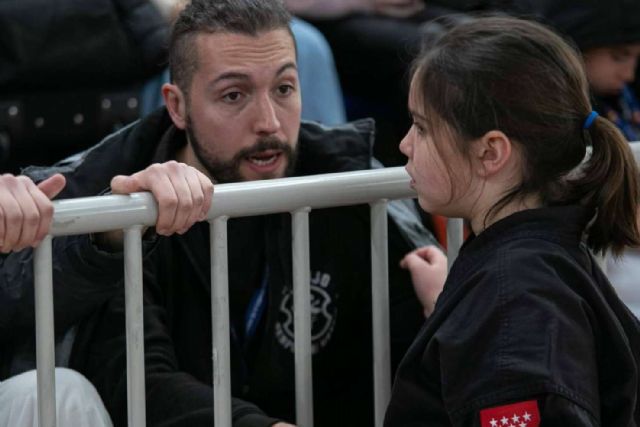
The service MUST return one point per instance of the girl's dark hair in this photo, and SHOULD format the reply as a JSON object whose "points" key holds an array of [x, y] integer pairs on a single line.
{"points": [[519, 77], [248, 17]]}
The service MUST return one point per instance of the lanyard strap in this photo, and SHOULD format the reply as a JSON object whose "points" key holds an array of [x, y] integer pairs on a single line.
{"points": [[256, 308]]}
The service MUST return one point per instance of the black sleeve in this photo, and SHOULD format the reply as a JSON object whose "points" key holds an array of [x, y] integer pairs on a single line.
{"points": [[520, 332], [83, 278], [173, 398], [554, 410]]}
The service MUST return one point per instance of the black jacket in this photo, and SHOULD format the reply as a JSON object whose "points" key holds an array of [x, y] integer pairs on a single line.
{"points": [[71, 45], [177, 293], [525, 314]]}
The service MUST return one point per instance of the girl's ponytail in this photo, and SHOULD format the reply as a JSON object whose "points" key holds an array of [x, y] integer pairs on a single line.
{"points": [[609, 183], [523, 79]]}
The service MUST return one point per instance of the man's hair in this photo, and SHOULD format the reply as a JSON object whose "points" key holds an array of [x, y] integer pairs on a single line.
{"points": [[248, 17]]}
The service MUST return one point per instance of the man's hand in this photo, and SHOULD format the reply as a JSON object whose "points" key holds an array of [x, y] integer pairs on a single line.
{"points": [[428, 268], [398, 8], [183, 194], [26, 210]]}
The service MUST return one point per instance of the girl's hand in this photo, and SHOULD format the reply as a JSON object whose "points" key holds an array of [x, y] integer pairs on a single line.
{"points": [[428, 268]]}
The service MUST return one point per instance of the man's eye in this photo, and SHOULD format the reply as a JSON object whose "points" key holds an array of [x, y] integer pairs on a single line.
{"points": [[285, 89], [232, 96]]}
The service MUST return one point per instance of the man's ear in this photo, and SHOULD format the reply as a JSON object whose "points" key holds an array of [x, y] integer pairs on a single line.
{"points": [[176, 104], [492, 153]]}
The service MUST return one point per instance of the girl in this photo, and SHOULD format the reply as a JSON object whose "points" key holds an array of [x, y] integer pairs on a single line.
{"points": [[527, 330]]}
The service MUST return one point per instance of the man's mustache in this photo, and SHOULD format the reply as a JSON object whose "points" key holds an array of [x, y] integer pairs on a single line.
{"points": [[263, 144]]}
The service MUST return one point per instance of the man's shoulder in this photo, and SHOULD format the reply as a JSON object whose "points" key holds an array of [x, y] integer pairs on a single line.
{"points": [[124, 151], [339, 148]]}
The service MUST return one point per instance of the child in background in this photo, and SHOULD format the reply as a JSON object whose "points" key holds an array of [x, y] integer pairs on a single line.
{"points": [[526, 330], [607, 33], [608, 36]]}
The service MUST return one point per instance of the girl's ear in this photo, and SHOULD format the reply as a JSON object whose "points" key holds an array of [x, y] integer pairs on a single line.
{"points": [[176, 104], [492, 153]]}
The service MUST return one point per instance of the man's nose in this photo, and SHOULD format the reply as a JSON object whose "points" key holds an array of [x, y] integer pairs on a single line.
{"points": [[266, 119]]}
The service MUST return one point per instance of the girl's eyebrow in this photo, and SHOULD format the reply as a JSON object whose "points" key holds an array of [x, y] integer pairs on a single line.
{"points": [[415, 114]]}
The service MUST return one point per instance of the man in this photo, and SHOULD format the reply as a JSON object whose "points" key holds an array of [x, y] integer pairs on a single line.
{"points": [[233, 114]]}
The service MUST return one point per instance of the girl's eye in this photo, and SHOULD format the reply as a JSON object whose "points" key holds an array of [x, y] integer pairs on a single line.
{"points": [[418, 128]]}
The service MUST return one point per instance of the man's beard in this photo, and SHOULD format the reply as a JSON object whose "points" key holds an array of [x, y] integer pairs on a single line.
{"points": [[224, 171]]}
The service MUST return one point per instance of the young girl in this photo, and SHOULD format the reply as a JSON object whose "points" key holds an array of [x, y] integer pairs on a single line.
{"points": [[527, 331]]}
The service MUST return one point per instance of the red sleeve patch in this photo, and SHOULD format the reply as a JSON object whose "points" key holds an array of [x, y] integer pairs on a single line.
{"points": [[521, 414]]}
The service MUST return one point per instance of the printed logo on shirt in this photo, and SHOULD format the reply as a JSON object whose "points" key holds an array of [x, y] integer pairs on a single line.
{"points": [[521, 414], [323, 315]]}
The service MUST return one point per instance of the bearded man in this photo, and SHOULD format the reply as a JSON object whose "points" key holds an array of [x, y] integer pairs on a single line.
{"points": [[232, 114]]}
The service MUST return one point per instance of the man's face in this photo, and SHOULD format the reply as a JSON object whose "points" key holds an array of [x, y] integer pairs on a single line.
{"points": [[610, 68], [243, 108]]}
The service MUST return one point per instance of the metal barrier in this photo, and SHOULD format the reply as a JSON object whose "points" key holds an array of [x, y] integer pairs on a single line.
{"points": [[295, 195]]}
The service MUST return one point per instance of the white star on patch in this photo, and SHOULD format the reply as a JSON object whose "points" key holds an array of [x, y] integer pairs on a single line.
{"points": [[515, 419], [504, 420], [493, 422], [526, 416]]}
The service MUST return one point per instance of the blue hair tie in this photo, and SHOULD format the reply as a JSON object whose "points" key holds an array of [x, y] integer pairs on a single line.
{"points": [[590, 119]]}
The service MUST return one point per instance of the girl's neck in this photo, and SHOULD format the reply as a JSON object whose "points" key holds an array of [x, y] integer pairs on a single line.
{"points": [[484, 218]]}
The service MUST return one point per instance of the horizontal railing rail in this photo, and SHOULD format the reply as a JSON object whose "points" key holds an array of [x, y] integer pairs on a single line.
{"points": [[113, 212]]}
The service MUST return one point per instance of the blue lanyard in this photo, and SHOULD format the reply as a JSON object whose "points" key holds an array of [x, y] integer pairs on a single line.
{"points": [[256, 308]]}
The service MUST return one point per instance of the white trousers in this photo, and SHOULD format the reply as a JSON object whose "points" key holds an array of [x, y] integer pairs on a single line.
{"points": [[77, 401]]}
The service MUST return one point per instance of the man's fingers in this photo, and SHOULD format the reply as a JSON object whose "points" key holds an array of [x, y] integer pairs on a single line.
{"points": [[207, 189], [194, 181], [52, 186], [30, 213], [26, 211], [183, 194], [12, 221], [178, 174], [167, 205], [122, 184], [45, 208]]}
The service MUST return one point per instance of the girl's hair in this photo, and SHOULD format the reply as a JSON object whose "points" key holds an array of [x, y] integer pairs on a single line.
{"points": [[519, 77]]}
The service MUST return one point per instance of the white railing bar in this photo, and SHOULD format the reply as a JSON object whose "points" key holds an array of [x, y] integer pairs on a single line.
{"points": [[115, 212], [302, 317], [220, 323], [45, 344], [455, 237], [635, 149], [134, 319], [380, 310]]}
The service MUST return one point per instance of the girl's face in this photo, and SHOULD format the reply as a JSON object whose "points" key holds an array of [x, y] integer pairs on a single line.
{"points": [[439, 174]]}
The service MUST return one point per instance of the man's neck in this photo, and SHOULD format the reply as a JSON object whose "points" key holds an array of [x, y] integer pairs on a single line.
{"points": [[188, 156]]}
